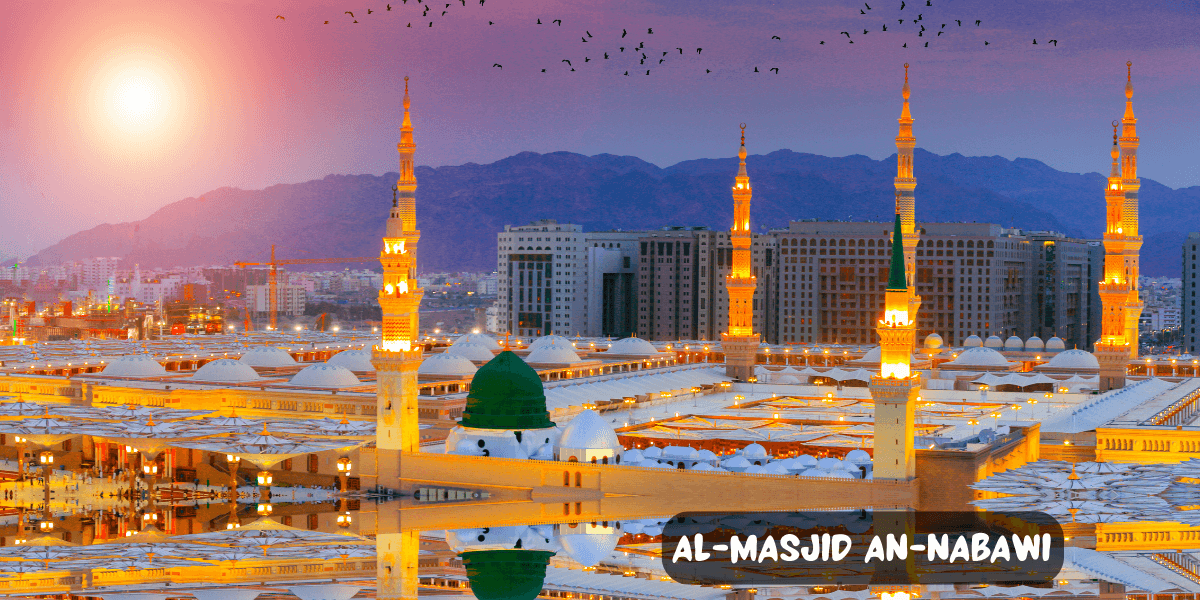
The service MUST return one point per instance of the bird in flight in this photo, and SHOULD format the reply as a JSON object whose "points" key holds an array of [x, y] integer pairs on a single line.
{"points": [[698, 50], [356, 20], [885, 27], [846, 33], [1034, 41], [626, 73], [624, 33], [539, 22], [605, 56], [708, 70], [904, 46], [776, 69], [349, 13], [926, 44], [864, 32], [977, 22], [680, 51], [775, 37], [755, 69], [943, 25], [822, 42], [389, 7], [558, 22], [586, 59], [410, 24], [862, 12], [589, 34], [369, 11], [959, 21], [650, 30], [1055, 42], [901, 21], [867, 5], [928, 2], [280, 17], [490, 23], [443, 13], [498, 65], [985, 43], [326, 22], [568, 62], [543, 70], [583, 39], [901, 5], [660, 61], [941, 32]]}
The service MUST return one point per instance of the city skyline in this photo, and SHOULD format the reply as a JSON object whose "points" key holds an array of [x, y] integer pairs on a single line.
{"points": [[303, 108]]}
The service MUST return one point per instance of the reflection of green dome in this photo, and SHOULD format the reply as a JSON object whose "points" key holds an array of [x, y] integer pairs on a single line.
{"points": [[506, 574], [506, 393]]}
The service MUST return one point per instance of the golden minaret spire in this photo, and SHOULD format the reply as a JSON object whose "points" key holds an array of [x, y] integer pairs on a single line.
{"points": [[739, 342], [398, 353], [1119, 292], [906, 183]]}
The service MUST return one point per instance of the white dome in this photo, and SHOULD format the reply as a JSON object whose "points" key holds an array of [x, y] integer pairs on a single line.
{"points": [[588, 549], [1073, 359], [786, 380], [471, 351], [134, 365], [355, 360], [632, 456], [1013, 343], [754, 451], [1055, 344], [553, 354], [446, 364], [267, 356], [980, 357], [550, 340], [972, 341], [587, 431], [477, 338], [633, 347], [325, 376], [858, 457], [933, 341], [1034, 344], [993, 341], [226, 370]]}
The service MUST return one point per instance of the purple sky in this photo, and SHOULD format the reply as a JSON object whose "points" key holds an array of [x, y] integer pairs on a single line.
{"points": [[247, 100]]}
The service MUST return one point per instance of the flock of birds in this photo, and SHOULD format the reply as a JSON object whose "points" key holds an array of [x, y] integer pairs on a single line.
{"points": [[649, 58], [934, 33]]}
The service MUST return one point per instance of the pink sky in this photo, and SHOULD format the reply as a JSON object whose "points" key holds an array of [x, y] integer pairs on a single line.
{"points": [[248, 100]]}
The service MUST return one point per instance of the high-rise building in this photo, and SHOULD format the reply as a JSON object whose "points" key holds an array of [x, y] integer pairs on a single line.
{"points": [[1062, 275], [542, 273], [973, 279], [611, 285], [1188, 301], [290, 299], [1122, 243], [98, 273], [397, 356], [739, 342]]}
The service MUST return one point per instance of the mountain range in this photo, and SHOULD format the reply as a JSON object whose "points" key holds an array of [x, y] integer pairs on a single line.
{"points": [[461, 208]]}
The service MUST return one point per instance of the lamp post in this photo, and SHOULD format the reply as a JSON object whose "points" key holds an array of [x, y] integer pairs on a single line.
{"points": [[343, 466], [232, 461]]}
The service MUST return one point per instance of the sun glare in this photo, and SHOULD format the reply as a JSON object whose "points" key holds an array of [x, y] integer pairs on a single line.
{"points": [[136, 100]]}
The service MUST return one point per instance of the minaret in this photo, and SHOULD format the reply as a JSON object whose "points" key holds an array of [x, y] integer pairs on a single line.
{"points": [[739, 342], [1130, 184], [895, 389], [398, 355], [1118, 292], [906, 183]]}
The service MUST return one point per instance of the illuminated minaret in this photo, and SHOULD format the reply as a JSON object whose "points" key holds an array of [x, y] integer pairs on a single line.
{"points": [[905, 183], [740, 343], [398, 355], [895, 389], [1118, 292]]}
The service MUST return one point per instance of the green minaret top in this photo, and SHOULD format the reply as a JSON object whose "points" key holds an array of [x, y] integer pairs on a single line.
{"points": [[896, 278], [506, 393], [506, 574]]}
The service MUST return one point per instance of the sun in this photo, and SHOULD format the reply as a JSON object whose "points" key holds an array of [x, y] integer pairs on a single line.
{"points": [[137, 100]]}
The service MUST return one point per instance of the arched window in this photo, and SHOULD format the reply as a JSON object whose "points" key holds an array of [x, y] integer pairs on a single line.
{"points": [[604, 460], [822, 242], [803, 242], [842, 242], [991, 244], [939, 243], [566, 479], [578, 479], [871, 243], [960, 243], [573, 459], [593, 460]]}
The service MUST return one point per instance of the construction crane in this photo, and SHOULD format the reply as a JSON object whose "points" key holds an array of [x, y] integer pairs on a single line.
{"points": [[273, 291]]}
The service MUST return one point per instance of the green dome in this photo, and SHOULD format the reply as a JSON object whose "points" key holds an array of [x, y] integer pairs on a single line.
{"points": [[506, 574], [506, 393]]}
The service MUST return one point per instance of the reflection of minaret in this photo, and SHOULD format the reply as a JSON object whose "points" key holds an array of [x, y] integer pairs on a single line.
{"points": [[396, 558], [895, 389], [397, 356], [1118, 292], [739, 342]]}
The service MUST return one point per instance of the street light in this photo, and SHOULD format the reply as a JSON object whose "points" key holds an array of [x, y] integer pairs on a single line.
{"points": [[46, 457], [344, 520], [265, 478]]}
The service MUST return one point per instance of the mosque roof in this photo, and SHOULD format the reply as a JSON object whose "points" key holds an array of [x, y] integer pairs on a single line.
{"points": [[355, 360], [1073, 359], [135, 365], [267, 356], [446, 364], [980, 357], [993, 341], [933, 340], [972, 341], [1013, 343], [550, 340], [226, 370], [506, 393], [1034, 343], [1055, 343], [633, 347], [478, 338], [506, 574], [325, 376], [553, 354], [471, 351], [587, 431]]}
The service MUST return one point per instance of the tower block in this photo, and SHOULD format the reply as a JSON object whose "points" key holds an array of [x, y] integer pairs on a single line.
{"points": [[1122, 306], [895, 389], [739, 342], [398, 355]]}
